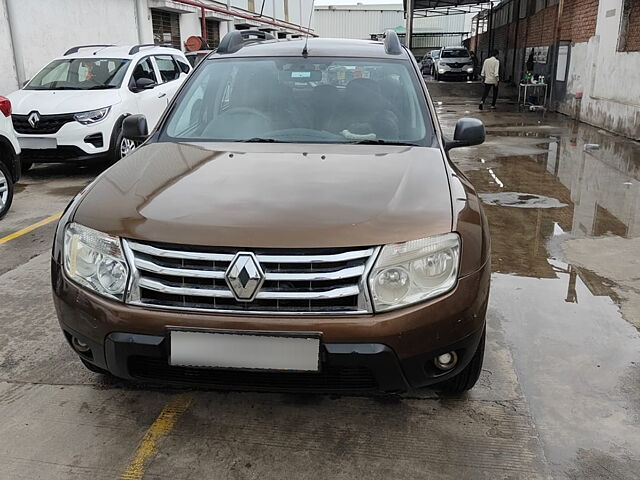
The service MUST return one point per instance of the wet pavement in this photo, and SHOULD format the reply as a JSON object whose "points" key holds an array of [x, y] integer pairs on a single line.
{"points": [[559, 395]]}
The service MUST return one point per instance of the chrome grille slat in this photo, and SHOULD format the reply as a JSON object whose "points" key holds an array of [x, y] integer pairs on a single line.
{"points": [[178, 272], [312, 281], [264, 294]]}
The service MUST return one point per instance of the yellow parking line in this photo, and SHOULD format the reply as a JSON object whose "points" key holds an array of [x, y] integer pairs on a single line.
{"points": [[30, 228], [161, 427]]}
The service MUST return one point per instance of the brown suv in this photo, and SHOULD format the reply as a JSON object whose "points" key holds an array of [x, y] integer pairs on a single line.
{"points": [[293, 222]]}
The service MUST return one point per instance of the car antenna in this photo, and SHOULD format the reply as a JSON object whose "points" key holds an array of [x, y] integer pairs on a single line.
{"points": [[305, 52]]}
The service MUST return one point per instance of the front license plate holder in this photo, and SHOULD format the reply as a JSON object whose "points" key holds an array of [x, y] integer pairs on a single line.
{"points": [[37, 143], [269, 351]]}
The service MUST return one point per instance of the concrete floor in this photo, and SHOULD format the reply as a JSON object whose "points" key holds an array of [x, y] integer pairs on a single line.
{"points": [[559, 395]]}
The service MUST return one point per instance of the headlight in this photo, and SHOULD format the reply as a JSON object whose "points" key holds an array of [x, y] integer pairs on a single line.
{"points": [[95, 260], [441, 70], [470, 69], [93, 116], [411, 272]]}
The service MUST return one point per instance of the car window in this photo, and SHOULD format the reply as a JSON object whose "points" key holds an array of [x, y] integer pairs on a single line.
{"points": [[167, 67], [144, 69], [182, 65], [80, 74], [459, 53], [321, 100]]}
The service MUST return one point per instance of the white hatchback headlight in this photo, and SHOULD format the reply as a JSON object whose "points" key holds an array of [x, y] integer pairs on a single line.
{"points": [[92, 116], [95, 260], [411, 272]]}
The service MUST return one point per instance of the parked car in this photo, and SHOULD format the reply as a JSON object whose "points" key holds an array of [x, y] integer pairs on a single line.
{"points": [[454, 62], [72, 109], [426, 64], [281, 230], [196, 57], [9, 157]]}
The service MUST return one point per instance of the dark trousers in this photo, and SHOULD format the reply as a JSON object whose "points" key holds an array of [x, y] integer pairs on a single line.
{"points": [[485, 94]]}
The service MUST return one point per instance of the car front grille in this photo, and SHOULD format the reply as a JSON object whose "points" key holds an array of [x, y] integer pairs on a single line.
{"points": [[312, 281], [329, 379], [47, 124]]}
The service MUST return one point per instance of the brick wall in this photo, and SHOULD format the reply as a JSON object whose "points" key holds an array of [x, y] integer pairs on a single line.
{"points": [[578, 22], [632, 34]]}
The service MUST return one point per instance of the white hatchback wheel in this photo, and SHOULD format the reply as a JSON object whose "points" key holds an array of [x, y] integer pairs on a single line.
{"points": [[126, 147], [4, 190]]}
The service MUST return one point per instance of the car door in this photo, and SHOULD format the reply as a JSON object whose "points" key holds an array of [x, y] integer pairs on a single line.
{"points": [[170, 74], [151, 102]]}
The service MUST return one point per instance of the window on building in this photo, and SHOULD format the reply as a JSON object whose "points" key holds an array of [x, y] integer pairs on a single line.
{"points": [[213, 33], [251, 5], [167, 67], [629, 39], [166, 28]]}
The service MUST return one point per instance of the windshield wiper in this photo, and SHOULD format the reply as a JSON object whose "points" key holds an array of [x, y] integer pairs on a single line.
{"points": [[101, 87], [261, 140], [383, 142]]}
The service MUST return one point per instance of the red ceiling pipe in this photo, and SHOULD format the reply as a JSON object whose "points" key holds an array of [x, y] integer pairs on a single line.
{"points": [[203, 25], [239, 15]]}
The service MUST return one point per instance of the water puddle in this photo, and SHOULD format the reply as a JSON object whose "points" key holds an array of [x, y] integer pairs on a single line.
{"points": [[520, 200]]}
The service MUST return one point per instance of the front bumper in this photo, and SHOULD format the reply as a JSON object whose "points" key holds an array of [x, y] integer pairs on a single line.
{"points": [[389, 352]]}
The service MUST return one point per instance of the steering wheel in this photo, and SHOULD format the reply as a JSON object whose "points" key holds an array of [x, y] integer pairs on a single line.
{"points": [[248, 111]]}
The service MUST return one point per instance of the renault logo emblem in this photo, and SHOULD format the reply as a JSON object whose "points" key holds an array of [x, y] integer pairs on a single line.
{"points": [[244, 276], [33, 119]]}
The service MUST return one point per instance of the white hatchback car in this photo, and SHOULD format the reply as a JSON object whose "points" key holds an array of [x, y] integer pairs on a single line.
{"points": [[72, 110], [9, 157]]}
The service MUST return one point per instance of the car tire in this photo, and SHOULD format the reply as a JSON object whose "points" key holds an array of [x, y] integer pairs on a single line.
{"points": [[120, 146], [6, 189], [94, 368], [467, 378]]}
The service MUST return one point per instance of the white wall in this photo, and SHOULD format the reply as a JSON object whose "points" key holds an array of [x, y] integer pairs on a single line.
{"points": [[606, 78], [33, 32], [8, 74], [41, 34]]}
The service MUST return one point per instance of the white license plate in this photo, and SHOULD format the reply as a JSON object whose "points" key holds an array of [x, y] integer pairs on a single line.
{"points": [[37, 143], [246, 351]]}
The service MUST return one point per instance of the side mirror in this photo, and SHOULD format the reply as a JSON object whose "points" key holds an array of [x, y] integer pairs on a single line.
{"points": [[134, 127], [468, 132], [145, 84]]}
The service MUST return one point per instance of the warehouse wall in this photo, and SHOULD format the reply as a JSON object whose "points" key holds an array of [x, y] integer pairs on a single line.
{"points": [[33, 32]]}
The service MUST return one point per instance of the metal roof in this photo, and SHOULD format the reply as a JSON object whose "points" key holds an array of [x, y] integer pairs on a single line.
{"points": [[448, 7]]}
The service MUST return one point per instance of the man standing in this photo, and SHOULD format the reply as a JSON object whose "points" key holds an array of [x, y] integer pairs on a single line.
{"points": [[490, 74]]}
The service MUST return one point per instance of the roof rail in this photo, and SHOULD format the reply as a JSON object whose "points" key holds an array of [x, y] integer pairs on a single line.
{"points": [[234, 41], [136, 48], [392, 43], [76, 49]]}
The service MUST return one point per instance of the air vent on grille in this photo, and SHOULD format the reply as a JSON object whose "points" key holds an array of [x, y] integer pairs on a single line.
{"points": [[46, 125], [312, 281]]}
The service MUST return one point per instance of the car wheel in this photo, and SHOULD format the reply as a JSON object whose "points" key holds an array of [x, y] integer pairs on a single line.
{"points": [[94, 368], [467, 378], [120, 146], [6, 189]]}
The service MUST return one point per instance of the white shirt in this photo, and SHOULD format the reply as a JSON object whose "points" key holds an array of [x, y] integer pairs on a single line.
{"points": [[491, 71]]}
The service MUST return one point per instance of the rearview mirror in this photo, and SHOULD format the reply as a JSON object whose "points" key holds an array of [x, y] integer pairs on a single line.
{"points": [[145, 84], [468, 132], [134, 127]]}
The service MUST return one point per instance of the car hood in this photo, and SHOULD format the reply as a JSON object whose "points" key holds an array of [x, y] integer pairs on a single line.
{"points": [[272, 195], [50, 102]]}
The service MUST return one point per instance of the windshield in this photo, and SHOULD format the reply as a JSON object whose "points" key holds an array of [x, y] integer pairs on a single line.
{"points": [[301, 100], [80, 74], [455, 53]]}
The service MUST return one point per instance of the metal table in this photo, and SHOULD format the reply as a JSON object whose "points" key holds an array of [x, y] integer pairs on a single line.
{"points": [[522, 93]]}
